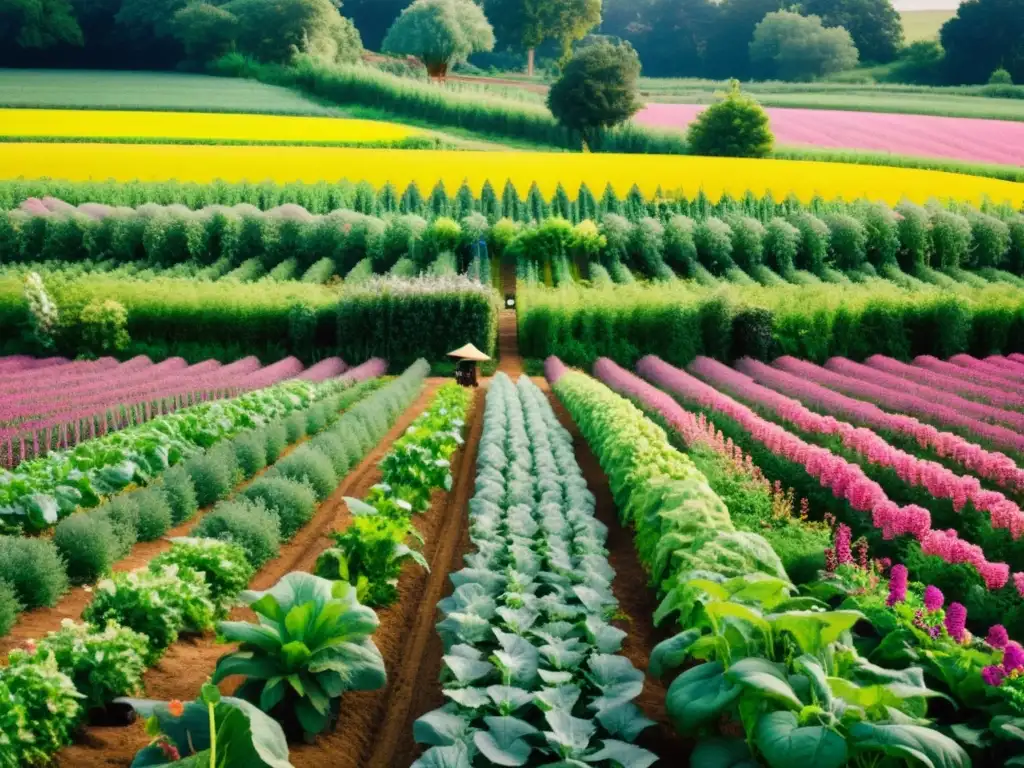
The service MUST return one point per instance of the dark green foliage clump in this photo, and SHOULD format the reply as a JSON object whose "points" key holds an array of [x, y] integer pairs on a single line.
{"points": [[88, 545], [248, 524], [35, 569], [293, 502], [736, 126]]}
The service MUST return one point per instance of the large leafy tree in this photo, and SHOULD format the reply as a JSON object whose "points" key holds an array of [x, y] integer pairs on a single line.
{"points": [[727, 45], [597, 90], [874, 25], [788, 46], [38, 23], [525, 24], [440, 33], [671, 36], [735, 126], [373, 18], [984, 36], [276, 31]]}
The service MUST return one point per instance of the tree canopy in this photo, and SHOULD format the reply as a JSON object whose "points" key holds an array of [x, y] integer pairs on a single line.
{"points": [[735, 126], [874, 25], [440, 33], [597, 90], [39, 23], [727, 53], [788, 46], [984, 36], [525, 24]]}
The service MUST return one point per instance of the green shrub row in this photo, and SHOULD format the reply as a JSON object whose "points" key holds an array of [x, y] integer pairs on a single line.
{"points": [[228, 321], [677, 322]]}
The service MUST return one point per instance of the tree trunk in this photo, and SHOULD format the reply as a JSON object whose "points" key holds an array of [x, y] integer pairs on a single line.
{"points": [[529, 62]]}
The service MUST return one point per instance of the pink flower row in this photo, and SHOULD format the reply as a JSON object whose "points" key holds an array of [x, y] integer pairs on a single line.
{"points": [[1016, 357], [846, 481], [56, 375], [18, 363], [991, 465], [941, 381], [1007, 364], [933, 477], [979, 411], [554, 369], [961, 373], [900, 401], [990, 365]]}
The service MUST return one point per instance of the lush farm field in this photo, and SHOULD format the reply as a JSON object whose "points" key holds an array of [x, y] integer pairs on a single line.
{"points": [[986, 141], [190, 127], [161, 91], [923, 25], [685, 175]]}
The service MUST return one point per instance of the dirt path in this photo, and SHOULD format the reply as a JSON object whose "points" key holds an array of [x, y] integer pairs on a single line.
{"points": [[189, 662], [509, 360]]}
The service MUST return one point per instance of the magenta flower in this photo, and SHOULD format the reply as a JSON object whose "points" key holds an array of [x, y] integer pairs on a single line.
{"points": [[843, 553], [997, 636], [1013, 657], [933, 598], [956, 621], [897, 585], [992, 676]]}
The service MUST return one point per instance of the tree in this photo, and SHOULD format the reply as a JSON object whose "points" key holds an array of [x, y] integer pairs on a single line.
{"points": [[597, 90], [440, 33], [205, 31], [146, 20], [38, 23], [874, 25], [735, 126], [313, 27], [727, 52], [528, 23], [984, 36], [788, 46], [922, 62], [373, 18]]}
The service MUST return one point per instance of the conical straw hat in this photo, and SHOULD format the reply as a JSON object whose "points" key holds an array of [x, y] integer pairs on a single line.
{"points": [[469, 352]]}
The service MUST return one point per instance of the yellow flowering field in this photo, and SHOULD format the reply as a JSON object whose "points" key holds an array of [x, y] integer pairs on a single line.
{"points": [[205, 126], [673, 173]]}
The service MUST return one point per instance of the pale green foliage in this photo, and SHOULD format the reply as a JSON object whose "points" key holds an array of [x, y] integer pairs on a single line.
{"points": [[104, 327], [789, 46], [42, 311], [440, 33]]}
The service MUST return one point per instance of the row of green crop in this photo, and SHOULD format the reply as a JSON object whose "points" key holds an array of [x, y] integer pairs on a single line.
{"points": [[677, 322], [766, 657], [134, 617], [569, 690], [227, 320]]}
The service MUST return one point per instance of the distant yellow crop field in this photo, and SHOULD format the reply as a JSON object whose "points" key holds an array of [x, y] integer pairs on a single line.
{"points": [[673, 173], [199, 126]]}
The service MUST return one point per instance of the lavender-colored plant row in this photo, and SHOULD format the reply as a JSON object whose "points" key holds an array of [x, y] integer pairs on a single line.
{"points": [[930, 410], [846, 481], [986, 366], [75, 401], [991, 465]]}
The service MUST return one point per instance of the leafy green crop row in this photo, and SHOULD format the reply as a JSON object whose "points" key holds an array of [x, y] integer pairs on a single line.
{"points": [[531, 671], [677, 322], [134, 617], [781, 668], [39, 492]]}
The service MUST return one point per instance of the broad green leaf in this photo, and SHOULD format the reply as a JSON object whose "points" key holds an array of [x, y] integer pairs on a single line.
{"points": [[502, 743], [911, 742], [440, 728], [765, 677], [699, 695], [624, 721], [455, 756], [783, 743], [568, 732], [813, 631], [669, 654], [724, 753], [621, 753]]}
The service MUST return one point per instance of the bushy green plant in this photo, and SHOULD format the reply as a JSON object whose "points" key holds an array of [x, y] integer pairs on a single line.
{"points": [[882, 228], [88, 546], [336, 448], [224, 566], [35, 569], [734, 126], [180, 494], [212, 474], [104, 327], [369, 555], [680, 249], [812, 254], [781, 245], [1000, 77], [295, 427], [990, 241], [442, 235], [251, 452], [293, 501], [10, 607], [950, 238], [647, 245], [103, 663], [39, 710], [276, 437], [122, 515], [306, 464], [713, 239], [313, 644], [847, 241], [748, 236], [158, 605], [439, 33], [915, 237], [402, 238], [248, 524], [155, 515]]}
